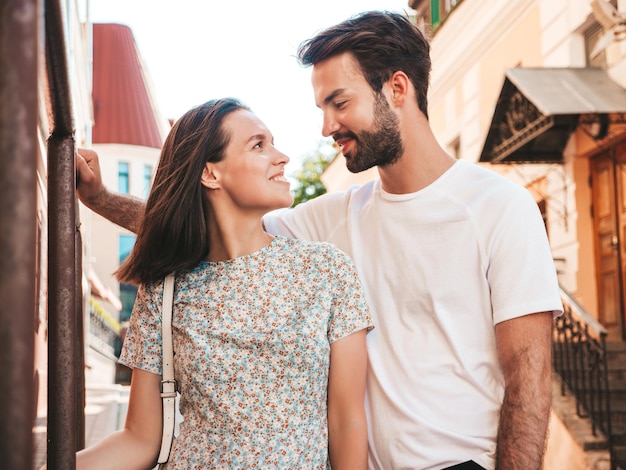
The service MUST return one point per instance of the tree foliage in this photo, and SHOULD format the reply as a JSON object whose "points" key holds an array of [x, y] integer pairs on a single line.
{"points": [[308, 177]]}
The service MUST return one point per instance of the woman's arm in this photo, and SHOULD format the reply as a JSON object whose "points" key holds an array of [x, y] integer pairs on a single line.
{"points": [[347, 425], [137, 445]]}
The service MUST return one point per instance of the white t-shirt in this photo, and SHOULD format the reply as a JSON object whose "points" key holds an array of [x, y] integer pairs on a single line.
{"points": [[441, 267]]}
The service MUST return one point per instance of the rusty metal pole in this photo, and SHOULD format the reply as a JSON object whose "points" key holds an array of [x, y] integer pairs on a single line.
{"points": [[62, 330], [79, 345], [18, 216], [65, 356]]}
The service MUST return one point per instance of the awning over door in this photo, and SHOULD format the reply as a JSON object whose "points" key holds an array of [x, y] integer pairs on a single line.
{"points": [[539, 108]]}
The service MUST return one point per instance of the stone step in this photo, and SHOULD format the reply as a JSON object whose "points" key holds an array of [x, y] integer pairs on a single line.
{"points": [[619, 432], [618, 409], [616, 363], [617, 385], [620, 457], [616, 347]]}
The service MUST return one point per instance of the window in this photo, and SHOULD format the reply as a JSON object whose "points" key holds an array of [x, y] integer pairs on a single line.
{"points": [[127, 292], [592, 36], [123, 178], [439, 9], [147, 180]]}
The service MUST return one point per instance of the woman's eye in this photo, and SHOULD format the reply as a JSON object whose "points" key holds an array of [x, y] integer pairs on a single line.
{"points": [[340, 104], [258, 145]]}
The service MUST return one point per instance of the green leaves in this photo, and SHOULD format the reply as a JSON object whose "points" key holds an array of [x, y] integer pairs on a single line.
{"points": [[308, 177]]}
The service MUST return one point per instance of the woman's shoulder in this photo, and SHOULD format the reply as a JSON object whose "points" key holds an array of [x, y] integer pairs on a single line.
{"points": [[312, 249], [183, 280]]}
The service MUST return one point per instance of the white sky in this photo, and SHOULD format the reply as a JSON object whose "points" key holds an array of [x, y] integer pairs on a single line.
{"points": [[196, 50]]}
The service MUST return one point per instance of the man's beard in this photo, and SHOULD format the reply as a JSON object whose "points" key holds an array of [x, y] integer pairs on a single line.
{"points": [[381, 146]]}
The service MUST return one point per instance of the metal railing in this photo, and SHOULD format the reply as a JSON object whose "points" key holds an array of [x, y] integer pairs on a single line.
{"points": [[104, 331], [580, 359], [66, 351], [21, 23], [18, 219]]}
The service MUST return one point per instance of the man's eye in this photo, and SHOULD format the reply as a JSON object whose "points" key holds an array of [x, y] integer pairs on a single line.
{"points": [[340, 104], [258, 145]]}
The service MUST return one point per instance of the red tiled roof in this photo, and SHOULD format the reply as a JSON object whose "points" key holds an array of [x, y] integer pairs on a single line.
{"points": [[123, 110]]}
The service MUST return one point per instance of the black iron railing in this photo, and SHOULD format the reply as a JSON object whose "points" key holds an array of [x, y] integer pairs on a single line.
{"points": [[580, 359]]}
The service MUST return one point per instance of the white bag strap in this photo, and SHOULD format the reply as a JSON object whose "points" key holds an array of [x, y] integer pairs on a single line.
{"points": [[169, 386]]}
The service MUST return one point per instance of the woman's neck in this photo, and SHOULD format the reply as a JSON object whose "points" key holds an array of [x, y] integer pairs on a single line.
{"points": [[229, 241]]}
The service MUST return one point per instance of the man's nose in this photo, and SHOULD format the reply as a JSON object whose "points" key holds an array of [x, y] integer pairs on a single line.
{"points": [[330, 125]]}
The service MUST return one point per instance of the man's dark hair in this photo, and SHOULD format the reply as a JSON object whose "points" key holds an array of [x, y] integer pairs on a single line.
{"points": [[382, 42]]}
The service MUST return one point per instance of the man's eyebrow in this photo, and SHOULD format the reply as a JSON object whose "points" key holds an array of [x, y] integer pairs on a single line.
{"points": [[333, 95]]}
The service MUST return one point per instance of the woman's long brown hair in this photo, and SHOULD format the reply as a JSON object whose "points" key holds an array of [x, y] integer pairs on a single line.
{"points": [[173, 235]]}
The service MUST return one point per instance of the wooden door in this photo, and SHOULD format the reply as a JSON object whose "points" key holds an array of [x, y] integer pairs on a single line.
{"points": [[619, 159], [607, 179]]}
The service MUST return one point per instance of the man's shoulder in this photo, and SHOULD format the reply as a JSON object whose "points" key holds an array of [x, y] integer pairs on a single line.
{"points": [[488, 180], [335, 202], [354, 195], [361, 191], [320, 218], [311, 248]]}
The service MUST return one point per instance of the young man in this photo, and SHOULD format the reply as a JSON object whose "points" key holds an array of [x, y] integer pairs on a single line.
{"points": [[454, 259]]}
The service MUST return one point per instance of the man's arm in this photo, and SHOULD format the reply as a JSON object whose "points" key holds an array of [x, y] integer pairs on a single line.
{"points": [[121, 209], [524, 349]]}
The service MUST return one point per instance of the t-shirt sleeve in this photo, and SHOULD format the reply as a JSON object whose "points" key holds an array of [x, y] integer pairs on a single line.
{"points": [[142, 347], [314, 220], [349, 309], [522, 276]]}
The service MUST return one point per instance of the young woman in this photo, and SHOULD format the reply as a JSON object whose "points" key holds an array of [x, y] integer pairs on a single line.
{"points": [[269, 332]]}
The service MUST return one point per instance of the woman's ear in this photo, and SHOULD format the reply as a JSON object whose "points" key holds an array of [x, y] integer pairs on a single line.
{"points": [[209, 179]]}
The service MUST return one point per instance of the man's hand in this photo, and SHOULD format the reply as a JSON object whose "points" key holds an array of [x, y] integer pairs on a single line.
{"points": [[89, 184], [121, 209]]}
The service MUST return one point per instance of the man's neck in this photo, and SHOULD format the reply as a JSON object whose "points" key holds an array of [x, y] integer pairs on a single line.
{"points": [[413, 171]]}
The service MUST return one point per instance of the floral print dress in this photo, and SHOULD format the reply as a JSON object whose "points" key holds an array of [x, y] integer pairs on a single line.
{"points": [[252, 340]]}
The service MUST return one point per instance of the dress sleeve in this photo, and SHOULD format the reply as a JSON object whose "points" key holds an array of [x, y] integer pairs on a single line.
{"points": [[142, 347], [349, 310]]}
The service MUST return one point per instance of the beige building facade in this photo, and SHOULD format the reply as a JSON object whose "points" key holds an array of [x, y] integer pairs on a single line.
{"points": [[467, 83]]}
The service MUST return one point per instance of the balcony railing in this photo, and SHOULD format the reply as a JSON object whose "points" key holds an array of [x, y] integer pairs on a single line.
{"points": [[104, 330], [580, 359]]}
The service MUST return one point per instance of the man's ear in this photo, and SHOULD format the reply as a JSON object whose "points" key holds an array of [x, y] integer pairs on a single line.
{"points": [[209, 178], [399, 84]]}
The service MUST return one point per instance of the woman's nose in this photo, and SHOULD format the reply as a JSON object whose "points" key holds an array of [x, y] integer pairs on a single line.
{"points": [[280, 158]]}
